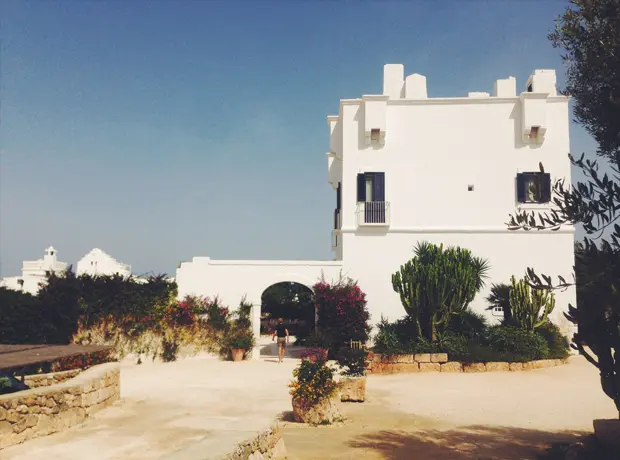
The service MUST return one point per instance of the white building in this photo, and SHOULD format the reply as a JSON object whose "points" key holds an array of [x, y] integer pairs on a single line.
{"points": [[34, 273], [98, 262], [407, 168]]}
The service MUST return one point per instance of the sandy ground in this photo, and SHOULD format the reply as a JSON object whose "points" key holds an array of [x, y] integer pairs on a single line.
{"points": [[197, 408], [507, 416], [168, 408]]}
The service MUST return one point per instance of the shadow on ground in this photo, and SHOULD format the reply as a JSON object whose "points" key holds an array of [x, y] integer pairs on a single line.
{"points": [[464, 443]]}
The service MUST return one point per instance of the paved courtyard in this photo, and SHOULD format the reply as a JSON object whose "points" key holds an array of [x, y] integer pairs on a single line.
{"points": [[197, 408]]}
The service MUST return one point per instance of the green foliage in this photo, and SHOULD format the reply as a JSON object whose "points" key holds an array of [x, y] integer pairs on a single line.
{"points": [[587, 32], [521, 345], [467, 324], [530, 307], [556, 341], [5, 385], [386, 339], [314, 382], [170, 349], [238, 333], [316, 339], [353, 361], [436, 284], [217, 315]]}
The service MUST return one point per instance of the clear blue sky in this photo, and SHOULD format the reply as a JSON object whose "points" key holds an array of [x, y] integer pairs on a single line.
{"points": [[159, 131]]}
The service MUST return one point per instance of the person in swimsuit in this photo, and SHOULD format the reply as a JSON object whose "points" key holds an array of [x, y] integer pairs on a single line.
{"points": [[282, 333]]}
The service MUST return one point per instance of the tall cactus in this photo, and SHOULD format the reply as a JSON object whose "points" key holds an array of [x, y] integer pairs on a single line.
{"points": [[530, 307], [437, 283]]}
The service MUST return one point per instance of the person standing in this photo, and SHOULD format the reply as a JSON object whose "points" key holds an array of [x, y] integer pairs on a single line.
{"points": [[282, 333]]}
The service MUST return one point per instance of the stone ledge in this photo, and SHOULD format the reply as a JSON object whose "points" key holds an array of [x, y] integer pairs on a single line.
{"points": [[48, 409], [44, 380], [438, 362]]}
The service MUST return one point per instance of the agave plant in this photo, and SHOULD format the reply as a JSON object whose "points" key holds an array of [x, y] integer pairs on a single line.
{"points": [[437, 283]]}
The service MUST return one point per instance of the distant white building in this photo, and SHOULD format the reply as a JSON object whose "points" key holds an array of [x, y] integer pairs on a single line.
{"points": [[34, 273], [98, 262]]}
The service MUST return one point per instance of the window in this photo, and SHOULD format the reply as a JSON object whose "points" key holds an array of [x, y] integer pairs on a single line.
{"points": [[534, 132], [470, 188], [370, 187], [374, 134], [498, 311], [529, 88], [533, 187]]}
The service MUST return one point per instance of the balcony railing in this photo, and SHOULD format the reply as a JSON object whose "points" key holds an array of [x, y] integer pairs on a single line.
{"points": [[337, 221], [375, 213], [335, 238]]}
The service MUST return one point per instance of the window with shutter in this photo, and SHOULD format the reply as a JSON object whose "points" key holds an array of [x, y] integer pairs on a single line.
{"points": [[533, 187]]}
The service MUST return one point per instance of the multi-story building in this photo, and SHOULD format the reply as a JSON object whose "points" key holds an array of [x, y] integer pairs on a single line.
{"points": [[408, 168], [34, 273]]}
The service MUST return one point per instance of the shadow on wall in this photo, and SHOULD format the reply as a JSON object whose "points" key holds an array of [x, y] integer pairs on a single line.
{"points": [[466, 443]]}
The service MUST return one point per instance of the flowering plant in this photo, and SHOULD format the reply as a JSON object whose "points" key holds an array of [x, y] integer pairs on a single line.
{"points": [[342, 312], [314, 382]]}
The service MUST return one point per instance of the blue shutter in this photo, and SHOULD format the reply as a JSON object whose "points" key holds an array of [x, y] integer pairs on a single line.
{"points": [[379, 187], [545, 194], [361, 187], [521, 188]]}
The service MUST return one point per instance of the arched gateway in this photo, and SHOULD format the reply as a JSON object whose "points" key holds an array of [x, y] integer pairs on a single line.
{"points": [[232, 280]]}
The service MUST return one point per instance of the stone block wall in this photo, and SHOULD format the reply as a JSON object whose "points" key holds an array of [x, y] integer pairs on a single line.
{"points": [[44, 380], [438, 362], [51, 408], [267, 445]]}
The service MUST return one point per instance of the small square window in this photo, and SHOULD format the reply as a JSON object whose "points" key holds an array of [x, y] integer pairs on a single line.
{"points": [[374, 134], [470, 188], [529, 88], [534, 132]]}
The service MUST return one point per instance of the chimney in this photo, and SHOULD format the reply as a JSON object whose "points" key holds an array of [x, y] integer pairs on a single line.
{"points": [[415, 87], [393, 80], [542, 81], [506, 87]]}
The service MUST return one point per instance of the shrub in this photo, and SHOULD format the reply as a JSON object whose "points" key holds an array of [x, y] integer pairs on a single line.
{"points": [[386, 339], [342, 312], [217, 315], [237, 334], [353, 361], [316, 339], [468, 324], [557, 342], [170, 349], [517, 343], [437, 283], [314, 382]]}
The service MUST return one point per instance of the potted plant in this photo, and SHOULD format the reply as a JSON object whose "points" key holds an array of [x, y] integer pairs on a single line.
{"points": [[318, 345], [237, 343], [313, 391], [353, 383]]}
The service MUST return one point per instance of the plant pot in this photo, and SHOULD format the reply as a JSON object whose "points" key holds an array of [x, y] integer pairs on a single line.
{"points": [[608, 432], [237, 354], [353, 389], [322, 353], [326, 411]]}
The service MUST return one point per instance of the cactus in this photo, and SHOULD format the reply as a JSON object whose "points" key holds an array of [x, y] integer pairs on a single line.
{"points": [[436, 284], [530, 307]]}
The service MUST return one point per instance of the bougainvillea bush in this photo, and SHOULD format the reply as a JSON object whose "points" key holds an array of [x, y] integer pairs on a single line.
{"points": [[342, 312]]}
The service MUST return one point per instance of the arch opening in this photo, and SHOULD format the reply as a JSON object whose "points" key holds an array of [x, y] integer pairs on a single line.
{"points": [[291, 301]]}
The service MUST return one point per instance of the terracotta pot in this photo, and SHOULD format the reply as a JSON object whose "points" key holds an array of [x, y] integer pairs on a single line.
{"points": [[237, 354], [323, 354]]}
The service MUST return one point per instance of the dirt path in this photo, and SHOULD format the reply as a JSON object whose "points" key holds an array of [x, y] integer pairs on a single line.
{"points": [[499, 416]]}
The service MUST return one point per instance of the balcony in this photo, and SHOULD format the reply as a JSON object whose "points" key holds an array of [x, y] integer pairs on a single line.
{"points": [[335, 239], [373, 213]]}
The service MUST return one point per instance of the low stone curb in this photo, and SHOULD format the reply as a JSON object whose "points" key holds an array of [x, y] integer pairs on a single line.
{"points": [[267, 445], [48, 409], [438, 362], [45, 380]]}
